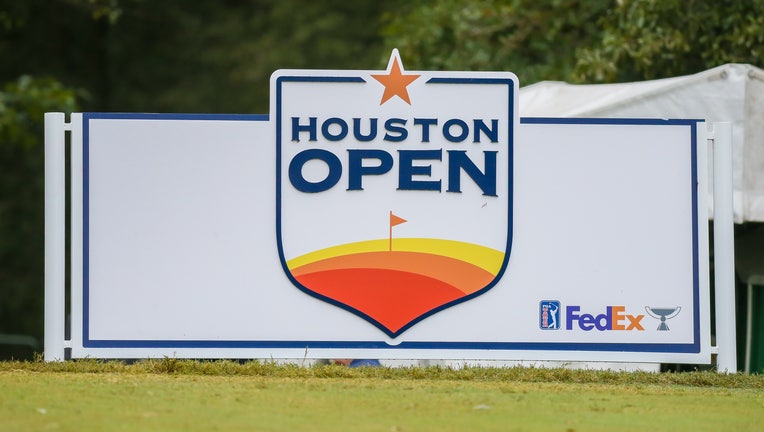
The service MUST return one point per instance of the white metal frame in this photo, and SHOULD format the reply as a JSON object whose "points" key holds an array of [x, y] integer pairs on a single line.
{"points": [[55, 235], [724, 248], [56, 128]]}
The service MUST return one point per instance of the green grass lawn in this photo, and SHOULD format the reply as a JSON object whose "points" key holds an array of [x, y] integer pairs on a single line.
{"points": [[184, 395]]}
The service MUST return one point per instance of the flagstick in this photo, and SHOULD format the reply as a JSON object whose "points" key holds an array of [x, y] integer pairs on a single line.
{"points": [[394, 220], [390, 235]]}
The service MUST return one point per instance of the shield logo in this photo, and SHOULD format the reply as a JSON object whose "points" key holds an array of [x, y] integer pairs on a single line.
{"points": [[394, 188]]}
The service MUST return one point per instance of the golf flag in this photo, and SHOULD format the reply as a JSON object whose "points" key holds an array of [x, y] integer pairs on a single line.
{"points": [[394, 220]]}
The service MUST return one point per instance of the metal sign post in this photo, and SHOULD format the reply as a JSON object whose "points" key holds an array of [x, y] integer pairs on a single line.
{"points": [[724, 248], [55, 232]]}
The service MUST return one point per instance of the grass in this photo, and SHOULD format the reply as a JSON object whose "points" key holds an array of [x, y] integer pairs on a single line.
{"points": [[172, 394]]}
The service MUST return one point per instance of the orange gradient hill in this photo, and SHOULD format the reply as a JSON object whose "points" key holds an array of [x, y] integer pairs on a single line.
{"points": [[395, 287]]}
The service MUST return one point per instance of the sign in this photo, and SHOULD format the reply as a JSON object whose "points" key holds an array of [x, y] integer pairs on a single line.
{"points": [[356, 150], [389, 214]]}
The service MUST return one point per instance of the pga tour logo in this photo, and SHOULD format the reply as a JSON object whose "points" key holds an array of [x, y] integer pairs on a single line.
{"points": [[549, 312], [394, 188]]}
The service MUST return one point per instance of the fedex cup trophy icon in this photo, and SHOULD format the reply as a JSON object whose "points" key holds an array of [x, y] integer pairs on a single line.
{"points": [[394, 193], [663, 314]]}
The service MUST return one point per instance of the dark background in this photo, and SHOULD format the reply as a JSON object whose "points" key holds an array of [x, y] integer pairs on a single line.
{"points": [[208, 56]]}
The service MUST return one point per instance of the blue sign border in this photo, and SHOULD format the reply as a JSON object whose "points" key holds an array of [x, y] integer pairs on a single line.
{"points": [[689, 348]]}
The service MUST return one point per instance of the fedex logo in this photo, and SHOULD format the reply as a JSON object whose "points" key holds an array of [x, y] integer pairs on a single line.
{"points": [[614, 318]]}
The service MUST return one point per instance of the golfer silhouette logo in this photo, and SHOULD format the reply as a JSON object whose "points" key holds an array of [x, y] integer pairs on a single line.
{"points": [[548, 315]]}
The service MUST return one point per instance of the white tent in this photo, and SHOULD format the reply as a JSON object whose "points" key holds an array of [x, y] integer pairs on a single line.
{"points": [[732, 92]]}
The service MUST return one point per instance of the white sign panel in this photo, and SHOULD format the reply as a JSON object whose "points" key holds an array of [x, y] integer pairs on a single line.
{"points": [[389, 214]]}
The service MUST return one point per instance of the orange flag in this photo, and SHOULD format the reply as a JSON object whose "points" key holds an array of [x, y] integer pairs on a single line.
{"points": [[396, 220]]}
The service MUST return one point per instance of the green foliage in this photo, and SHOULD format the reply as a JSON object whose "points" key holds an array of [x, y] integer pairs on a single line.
{"points": [[579, 40], [217, 56], [184, 56], [22, 105], [534, 39], [101, 9], [200, 57], [661, 38], [143, 56]]}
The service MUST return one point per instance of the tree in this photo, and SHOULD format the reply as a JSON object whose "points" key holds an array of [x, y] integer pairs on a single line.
{"points": [[138, 55], [579, 40], [648, 39], [536, 40], [180, 56], [22, 105]]}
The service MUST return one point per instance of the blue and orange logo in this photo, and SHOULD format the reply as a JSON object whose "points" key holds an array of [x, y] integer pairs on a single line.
{"points": [[405, 154]]}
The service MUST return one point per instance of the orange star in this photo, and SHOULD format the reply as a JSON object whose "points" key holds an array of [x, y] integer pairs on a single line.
{"points": [[395, 83]]}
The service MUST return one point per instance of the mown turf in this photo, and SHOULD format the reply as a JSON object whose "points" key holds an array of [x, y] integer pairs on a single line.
{"points": [[172, 394]]}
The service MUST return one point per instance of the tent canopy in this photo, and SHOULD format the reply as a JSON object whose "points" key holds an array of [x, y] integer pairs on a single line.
{"points": [[731, 92]]}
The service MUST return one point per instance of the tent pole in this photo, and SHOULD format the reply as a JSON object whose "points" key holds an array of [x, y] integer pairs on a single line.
{"points": [[724, 249], [748, 328]]}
